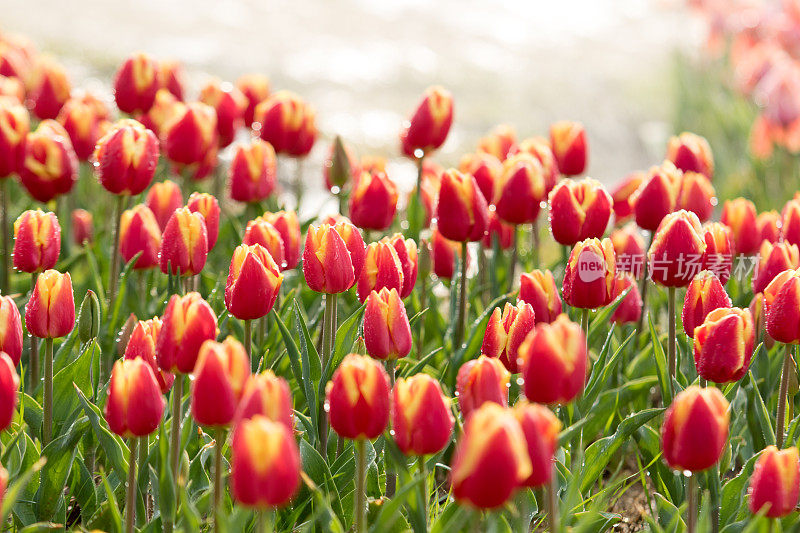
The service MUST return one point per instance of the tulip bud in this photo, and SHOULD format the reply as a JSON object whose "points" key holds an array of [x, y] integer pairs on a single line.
{"points": [[9, 392], [695, 429], [287, 122], [589, 274], [267, 395], [485, 168], [691, 153], [739, 214], [37, 241], [14, 127], [136, 83], [520, 189], [772, 260], [89, 317], [429, 124], [781, 304], [253, 284], [719, 254], [431, 182], [265, 464], [82, 227], [628, 250], [387, 333], [373, 202], [142, 344], [704, 294], [188, 321], [421, 418], [622, 195], [538, 288], [50, 313], [255, 89], [184, 245], [498, 230], [163, 199], [657, 196], [491, 459], [769, 225], [50, 166], [289, 228], [461, 210], [540, 427], [696, 195], [85, 119], [190, 133], [382, 269], [219, 377], [206, 205], [498, 143], [481, 380], [48, 88], [171, 78], [723, 344], [253, 171], [10, 329], [341, 166], [139, 232], [357, 398], [554, 361], [135, 404], [775, 483], [259, 231], [443, 254], [229, 104], [506, 331], [164, 108], [676, 253], [578, 210], [629, 309], [126, 158], [327, 264], [568, 141], [407, 254]]}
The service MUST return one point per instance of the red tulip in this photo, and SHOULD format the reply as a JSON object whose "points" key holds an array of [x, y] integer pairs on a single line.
{"points": [[13, 88], [206, 205], [622, 195], [139, 232], [723, 344], [220, 374], [676, 253], [498, 230], [136, 83], [657, 196], [520, 189], [589, 274], [266, 395], [163, 199], [691, 153], [50, 313], [142, 345], [253, 171], [184, 244], [499, 142], [407, 254], [126, 158], [630, 308], [82, 227], [50, 166], [48, 88], [14, 127], [188, 321], [287, 122], [382, 269], [775, 483], [135, 404], [253, 284], [506, 331], [10, 329], [481, 380], [190, 134], [164, 108], [357, 398], [568, 141], [782, 307], [421, 418], [373, 202], [443, 254], [229, 104], [538, 288], [259, 231], [696, 195], [769, 225], [461, 210], [578, 210], [170, 77], [387, 333], [772, 260], [327, 263], [85, 119], [9, 392], [37, 241], [539, 148], [719, 254], [540, 427], [255, 89], [485, 168], [427, 128], [628, 250], [739, 214], [704, 294]]}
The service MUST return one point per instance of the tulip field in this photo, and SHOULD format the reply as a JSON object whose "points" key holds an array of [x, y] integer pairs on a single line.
{"points": [[511, 346]]}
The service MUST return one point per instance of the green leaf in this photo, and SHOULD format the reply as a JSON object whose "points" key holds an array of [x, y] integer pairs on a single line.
{"points": [[756, 404], [17, 487], [346, 336], [74, 374], [317, 469], [60, 453], [661, 363], [115, 449]]}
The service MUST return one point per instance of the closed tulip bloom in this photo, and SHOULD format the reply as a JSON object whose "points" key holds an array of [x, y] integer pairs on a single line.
{"points": [[253, 284], [171, 78], [10, 329], [357, 398], [48, 88], [772, 260], [253, 171], [568, 141], [387, 333], [135, 405], [428, 126], [188, 321], [50, 166], [775, 483], [499, 142], [13, 62], [341, 166], [184, 244], [628, 249], [353, 241], [229, 104], [164, 107], [739, 214], [327, 265], [695, 429], [506, 331], [589, 274], [697, 195], [704, 294], [485, 168], [142, 345], [481, 380], [629, 309], [289, 227], [139, 232], [9, 391], [266, 395], [421, 418], [622, 195], [769, 225], [691, 153], [12, 88], [719, 254], [520, 189], [50, 313], [676, 253], [136, 83], [409, 261], [657, 196], [82, 227], [540, 427], [126, 158], [500, 231], [85, 119], [265, 464], [723, 344], [219, 377], [461, 210], [255, 89], [259, 231], [373, 202], [382, 269], [443, 255], [37, 241], [207, 205], [790, 221], [782, 301], [190, 134], [430, 184], [491, 458], [287, 122], [539, 148], [163, 199], [578, 210], [539, 289], [14, 127]]}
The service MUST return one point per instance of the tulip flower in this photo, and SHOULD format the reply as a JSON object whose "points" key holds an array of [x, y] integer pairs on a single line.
{"points": [[266, 395], [382, 269], [697, 195], [719, 254], [481, 380], [775, 483], [628, 250], [622, 195], [499, 230], [255, 89], [136, 83], [163, 199], [540, 427], [184, 244], [704, 294], [139, 233], [629, 310], [387, 333], [259, 231], [164, 108], [82, 227], [190, 134], [739, 215], [578, 210], [538, 288], [519, 189], [427, 128], [675, 255], [327, 263], [14, 127], [421, 418], [443, 255], [499, 142], [219, 378], [539, 148], [491, 458], [12, 88], [461, 210], [289, 228], [253, 171], [696, 415], [341, 166], [428, 185], [9, 391], [287, 122], [554, 361], [171, 78], [37, 241], [723, 344], [229, 104], [691, 153], [13, 62], [505, 332], [589, 274], [188, 321], [568, 141], [126, 158], [10, 329], [85, 119], [135, 404], [253, 284], [265, 464], [48, 88], [206, 205], [50, 166], [357, 398], [142, 345], [769, 225], [772, 260], [657, 196], [407, 254], [485, 168], [373, 202]]}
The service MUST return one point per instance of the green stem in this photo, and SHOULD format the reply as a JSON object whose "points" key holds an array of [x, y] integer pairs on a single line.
{"points": [[783, 392], [264, 521], [34, 355], [585, 326], [462, 299], [219, 441], [391, 476], [130, 497], [420, 161], [114, 273], [143, 450], [673, 355], [328, 342], [691, 498], [423, 488], [552, 501], [6, 235], [48, 391], [248, 338], [361, 474], [175, 437], [643, 291], [535, 245], [483, 269], [512, 267]]}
